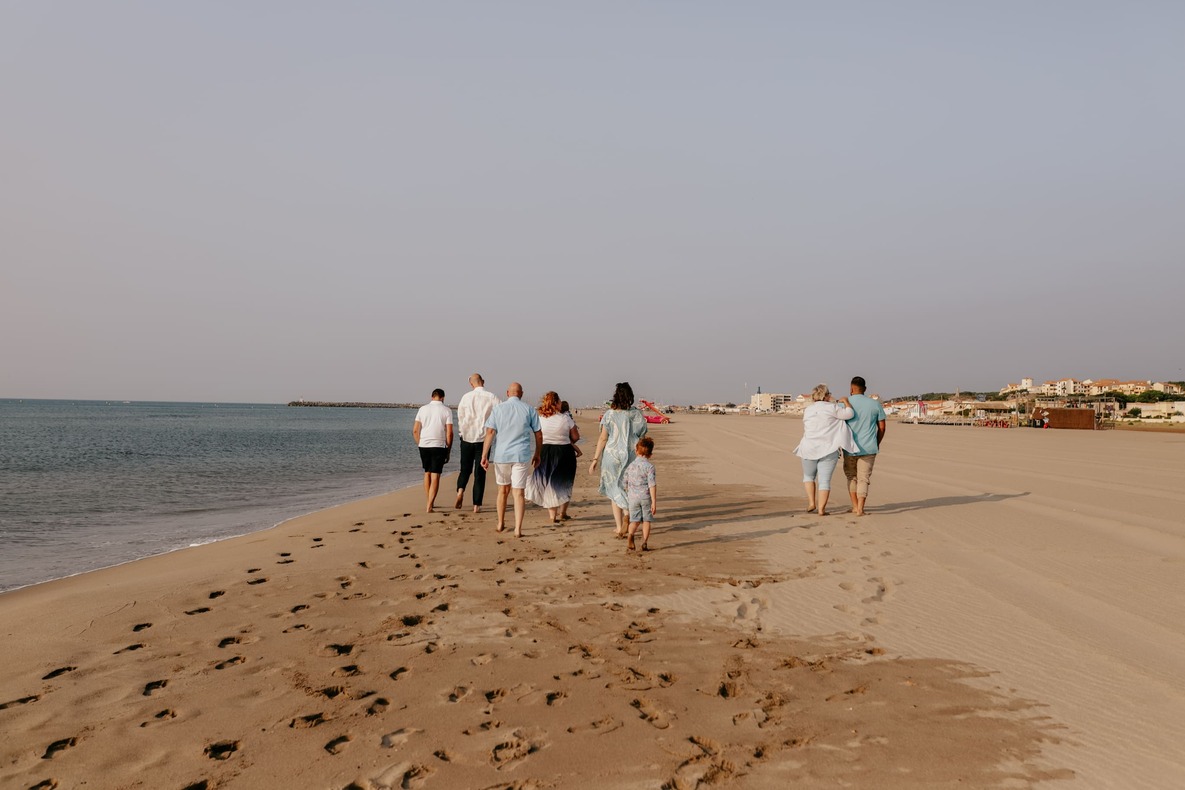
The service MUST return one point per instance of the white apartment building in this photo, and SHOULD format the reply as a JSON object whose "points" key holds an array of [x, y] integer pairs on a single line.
{"points": [[771, 401]]}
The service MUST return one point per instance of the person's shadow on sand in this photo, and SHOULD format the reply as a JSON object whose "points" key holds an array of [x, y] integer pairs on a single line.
{"points": [[942, 501]]}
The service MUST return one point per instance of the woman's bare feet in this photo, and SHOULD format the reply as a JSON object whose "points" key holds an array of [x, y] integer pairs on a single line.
{"points": [[460, 496], [630, 546]]}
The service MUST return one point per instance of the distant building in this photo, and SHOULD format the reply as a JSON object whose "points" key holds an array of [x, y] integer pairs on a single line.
{"points": [[771, 401]]}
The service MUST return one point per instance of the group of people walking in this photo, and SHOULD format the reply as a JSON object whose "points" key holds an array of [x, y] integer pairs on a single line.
{"points": [[854, 428], [533, 453]]}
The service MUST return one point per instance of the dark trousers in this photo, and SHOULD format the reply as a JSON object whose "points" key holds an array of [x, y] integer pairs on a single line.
{"points": [[471, 464]]}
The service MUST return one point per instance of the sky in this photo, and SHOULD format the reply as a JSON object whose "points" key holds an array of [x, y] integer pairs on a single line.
{"points": [[264, 201]]}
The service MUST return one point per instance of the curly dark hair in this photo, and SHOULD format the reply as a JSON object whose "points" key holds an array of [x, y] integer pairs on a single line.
{"points": [[623, 396]]}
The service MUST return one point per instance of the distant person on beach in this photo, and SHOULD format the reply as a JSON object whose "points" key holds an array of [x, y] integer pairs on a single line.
{"points": [[472, 413], [621, 427], [825, 433], [641, 490], [550, 485], [516, 440], [868, 432], [433, 432]]}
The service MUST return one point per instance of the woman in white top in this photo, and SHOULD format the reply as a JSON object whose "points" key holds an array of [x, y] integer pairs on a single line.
{"points": [[824, 433], [551, 484]]}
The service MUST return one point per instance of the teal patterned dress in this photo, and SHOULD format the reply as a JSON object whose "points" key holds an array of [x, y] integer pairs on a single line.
{"points": [[625, 427]]}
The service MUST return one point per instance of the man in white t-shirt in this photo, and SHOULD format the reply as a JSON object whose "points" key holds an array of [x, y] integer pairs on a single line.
{"points": [[472, 413], [433, 432]]}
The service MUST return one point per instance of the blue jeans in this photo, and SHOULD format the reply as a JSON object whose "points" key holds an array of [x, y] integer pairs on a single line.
{"points": [[823, 468]]}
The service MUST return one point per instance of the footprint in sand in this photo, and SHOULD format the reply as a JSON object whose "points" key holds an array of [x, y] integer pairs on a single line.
{"points": [[199, 610], [155, 685], [380, 705], [163, 715], [305, 722], [217, 594], [337, 744], [602, 726], [398, 673], [21, 701], [349, 671], [511, 752], [260, 580], [254, 570], [129, 648], [399, 737], [337, 650], [459, 693], [141, 626], [222, 750], [404, 776], [230, 662], [58, 672], [58, 746], [651, 714]]}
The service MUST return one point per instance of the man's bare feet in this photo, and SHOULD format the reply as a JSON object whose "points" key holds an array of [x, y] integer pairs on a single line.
{"points": [[518, 533], [429, 510], [477, 508], [824, 513], [460, 496]]}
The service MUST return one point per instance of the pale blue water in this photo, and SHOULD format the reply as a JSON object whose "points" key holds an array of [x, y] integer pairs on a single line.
{"points": [[86, 484]]}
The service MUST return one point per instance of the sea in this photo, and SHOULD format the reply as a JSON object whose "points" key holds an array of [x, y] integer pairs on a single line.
{"points": [[91, 484]]}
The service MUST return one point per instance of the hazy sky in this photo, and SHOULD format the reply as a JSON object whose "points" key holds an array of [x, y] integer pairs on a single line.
{"points": [[259, 201]]}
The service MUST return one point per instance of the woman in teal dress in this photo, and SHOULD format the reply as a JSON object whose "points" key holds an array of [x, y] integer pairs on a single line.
{"points": [[621, 427]]}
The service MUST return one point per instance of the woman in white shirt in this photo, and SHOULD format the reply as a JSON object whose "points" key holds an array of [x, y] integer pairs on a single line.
{"points": [[824, 433], [551, 484]]}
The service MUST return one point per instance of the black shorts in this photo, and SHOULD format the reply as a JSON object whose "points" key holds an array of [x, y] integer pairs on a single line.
{"points": [[433, 458]]}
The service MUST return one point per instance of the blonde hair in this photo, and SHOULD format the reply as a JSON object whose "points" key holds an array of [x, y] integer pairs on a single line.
{"points": [[549, 405], [820, 392]]}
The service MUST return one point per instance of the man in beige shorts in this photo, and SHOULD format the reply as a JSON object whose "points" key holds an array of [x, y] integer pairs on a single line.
{"points": [[868, 431]]}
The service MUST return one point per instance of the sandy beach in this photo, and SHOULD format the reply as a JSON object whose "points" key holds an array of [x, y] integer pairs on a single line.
{"points": [[1008, 615]]}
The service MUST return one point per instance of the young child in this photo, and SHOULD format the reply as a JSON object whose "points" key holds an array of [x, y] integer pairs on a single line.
{"points": [[641, 491]]}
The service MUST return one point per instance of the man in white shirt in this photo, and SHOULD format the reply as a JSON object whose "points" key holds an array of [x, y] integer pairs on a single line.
{"points": [[472, 413], [433, 432]]}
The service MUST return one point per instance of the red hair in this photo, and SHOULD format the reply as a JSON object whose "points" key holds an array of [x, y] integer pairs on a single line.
{"points": [[550, 404]]}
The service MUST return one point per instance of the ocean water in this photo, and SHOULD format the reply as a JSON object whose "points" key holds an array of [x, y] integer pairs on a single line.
{"points": [[89, 484]]}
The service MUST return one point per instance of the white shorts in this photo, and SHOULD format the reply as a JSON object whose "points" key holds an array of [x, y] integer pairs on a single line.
{"points": [[513, 475]]}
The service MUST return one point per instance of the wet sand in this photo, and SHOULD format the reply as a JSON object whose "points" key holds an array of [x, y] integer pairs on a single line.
{"points": [[1008, 614]]}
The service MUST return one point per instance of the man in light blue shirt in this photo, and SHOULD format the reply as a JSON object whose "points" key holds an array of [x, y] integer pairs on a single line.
{"points": [[509, 430], [868, 430]]}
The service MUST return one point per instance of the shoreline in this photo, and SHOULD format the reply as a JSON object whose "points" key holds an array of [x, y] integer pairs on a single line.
{"points": [[963, 632], [209, 542]]}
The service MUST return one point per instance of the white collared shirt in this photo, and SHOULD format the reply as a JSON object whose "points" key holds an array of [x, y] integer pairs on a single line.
{"points": [[824, 430], [472, 413]]}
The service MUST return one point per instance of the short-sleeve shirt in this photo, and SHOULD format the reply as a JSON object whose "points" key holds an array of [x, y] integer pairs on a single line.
{"points": [[557, 429], [433, 417], [639, 476], [516, 423], [868, 413]]}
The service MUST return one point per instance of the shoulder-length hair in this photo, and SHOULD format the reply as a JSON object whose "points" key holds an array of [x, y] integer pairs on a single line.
{"points": [[623, 396], [549, 404]]}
